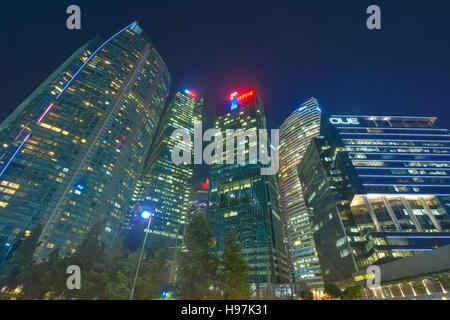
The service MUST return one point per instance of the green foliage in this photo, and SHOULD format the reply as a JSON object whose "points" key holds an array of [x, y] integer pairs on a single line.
{"points": [[418, 286], [233, 277], [198, 274], [91, 250], [107, 272], [197, 267], [94, 282], [198, 235], [22, 256], [150, 280], [30, 277], [333, 290], [53, 275], [352, 293], [445, 281]]}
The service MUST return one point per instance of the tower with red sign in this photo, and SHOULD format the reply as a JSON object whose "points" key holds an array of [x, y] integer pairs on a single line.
{"points": [[243, 199]]}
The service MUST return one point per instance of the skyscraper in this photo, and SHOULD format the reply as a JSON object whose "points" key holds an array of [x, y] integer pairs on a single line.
{"points": [[72, 151], [295, 134], [241, 198], [164, 186], [378, 187]]}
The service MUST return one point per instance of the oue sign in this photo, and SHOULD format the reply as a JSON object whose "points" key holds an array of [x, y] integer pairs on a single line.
{"points": [[344, 120]]}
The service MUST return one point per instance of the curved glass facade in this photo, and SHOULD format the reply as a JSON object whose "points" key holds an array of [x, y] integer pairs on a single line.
{"points": [[73, 150], [296, 133]]}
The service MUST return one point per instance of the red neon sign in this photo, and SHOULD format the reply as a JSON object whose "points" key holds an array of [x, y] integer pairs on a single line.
{"points": [[243, 96], [192, 94], [121, 142], [205, 186], [246, 95]]}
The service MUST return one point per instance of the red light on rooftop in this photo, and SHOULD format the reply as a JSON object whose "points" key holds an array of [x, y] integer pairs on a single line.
{"points": [[190, 93]]}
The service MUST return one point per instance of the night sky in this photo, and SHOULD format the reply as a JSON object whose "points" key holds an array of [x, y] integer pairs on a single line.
{"points": [[288, 50]]}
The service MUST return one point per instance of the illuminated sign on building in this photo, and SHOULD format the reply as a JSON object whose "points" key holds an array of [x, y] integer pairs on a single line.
{"points": [[121, 142], [192, 94], [246, 95], [236, 98], [205, 185], [344, 120], [363, 277], [234, 101], [233, 95]]}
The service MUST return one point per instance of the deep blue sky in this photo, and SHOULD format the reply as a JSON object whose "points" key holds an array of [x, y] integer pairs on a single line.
{"points": [[290, 50]]}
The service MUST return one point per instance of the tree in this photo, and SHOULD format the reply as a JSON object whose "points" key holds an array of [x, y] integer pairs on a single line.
{"points": [[46, 279], [91, 249], [233, 277], [119, 289], [352, 293], [91, 252], [150, 280], [107, 271], [22, 256], [30, 278], [99, 280], [155, 272], [94, 282], [197, 266], [49, 277], [333, 290]]}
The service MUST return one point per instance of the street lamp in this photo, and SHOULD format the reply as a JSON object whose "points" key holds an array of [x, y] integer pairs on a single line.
{"points": [[146, 215]]}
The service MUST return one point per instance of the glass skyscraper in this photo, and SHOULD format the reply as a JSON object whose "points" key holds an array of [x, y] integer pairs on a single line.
{"points": [[379, 189], [164, 186], [72, 151], [295, 134], [241, 198]]}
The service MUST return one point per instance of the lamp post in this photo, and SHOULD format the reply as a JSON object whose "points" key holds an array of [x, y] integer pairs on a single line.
{"points": [[146, 215], [9, 245]]}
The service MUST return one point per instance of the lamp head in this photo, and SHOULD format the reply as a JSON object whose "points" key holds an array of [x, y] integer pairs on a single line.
{"points": [[145, 214]]}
